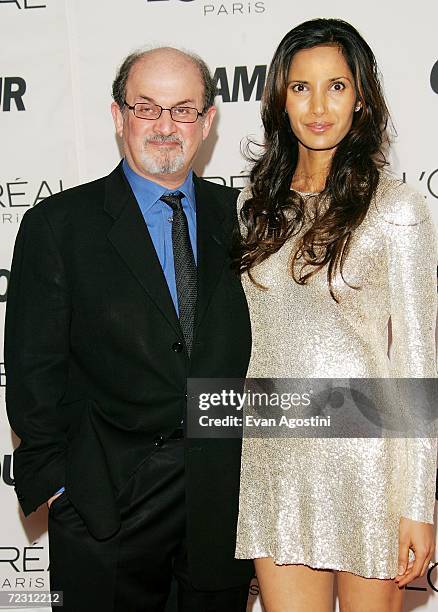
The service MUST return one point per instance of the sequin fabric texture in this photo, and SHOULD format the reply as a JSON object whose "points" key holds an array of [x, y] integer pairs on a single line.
{"points": [[336, 503]]}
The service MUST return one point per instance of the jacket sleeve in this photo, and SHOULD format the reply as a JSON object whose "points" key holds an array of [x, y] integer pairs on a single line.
{"points": [[36, 359]]}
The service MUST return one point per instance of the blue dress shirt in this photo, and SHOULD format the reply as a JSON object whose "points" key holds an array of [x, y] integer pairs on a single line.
{"points": [[158, 218]]}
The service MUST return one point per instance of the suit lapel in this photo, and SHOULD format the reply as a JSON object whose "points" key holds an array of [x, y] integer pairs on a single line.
{"points": [[211, 243], [130, 237]]}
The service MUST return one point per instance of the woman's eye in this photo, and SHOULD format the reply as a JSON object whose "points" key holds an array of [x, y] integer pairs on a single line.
{"points": [[299, 87], [338, 86]]}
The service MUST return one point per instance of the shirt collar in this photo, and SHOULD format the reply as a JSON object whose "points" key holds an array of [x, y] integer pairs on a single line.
{"points": [[147, 192]]}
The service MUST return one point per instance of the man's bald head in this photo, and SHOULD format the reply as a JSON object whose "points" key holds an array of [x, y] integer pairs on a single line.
{"points": [[165, 54]]}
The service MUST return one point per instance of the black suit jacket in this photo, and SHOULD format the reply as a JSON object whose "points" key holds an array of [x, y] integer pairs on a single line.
{"points": [[95, 370]]}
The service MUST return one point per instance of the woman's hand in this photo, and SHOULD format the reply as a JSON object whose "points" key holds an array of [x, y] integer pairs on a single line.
{"points": [[418, 537]]}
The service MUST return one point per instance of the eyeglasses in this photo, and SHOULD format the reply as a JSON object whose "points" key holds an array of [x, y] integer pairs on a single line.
{"points": [[182, 114]]}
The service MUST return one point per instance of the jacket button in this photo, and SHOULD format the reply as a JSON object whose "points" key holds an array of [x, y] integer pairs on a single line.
{"points": [[177, 347], [159, 441]]}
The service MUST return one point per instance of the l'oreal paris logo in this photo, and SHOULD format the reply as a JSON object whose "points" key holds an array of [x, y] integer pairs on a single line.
{"points": [[24, 4], [250, 7]]}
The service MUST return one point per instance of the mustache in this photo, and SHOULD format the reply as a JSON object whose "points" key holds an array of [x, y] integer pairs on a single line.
{"points": [[161, 139]]}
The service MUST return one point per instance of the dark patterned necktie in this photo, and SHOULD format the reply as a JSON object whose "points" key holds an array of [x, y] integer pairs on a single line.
{"points": [[185, 267]]}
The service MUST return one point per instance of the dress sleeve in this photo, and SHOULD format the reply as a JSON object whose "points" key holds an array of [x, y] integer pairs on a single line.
{"points": [[412, 271], [244, 195]]}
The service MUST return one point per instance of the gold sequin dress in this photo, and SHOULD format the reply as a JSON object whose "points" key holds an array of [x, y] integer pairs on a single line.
{"points": [[336, 503]]}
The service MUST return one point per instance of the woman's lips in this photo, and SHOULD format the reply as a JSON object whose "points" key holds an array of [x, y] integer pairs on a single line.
{"points": [[319, 127]]}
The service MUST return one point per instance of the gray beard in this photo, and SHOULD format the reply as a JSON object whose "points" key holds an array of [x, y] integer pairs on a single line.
{"points": [[164, 162]]}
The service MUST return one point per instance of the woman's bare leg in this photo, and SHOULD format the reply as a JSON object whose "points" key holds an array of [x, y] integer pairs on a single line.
{"points": [[294, 588], [357, 594]]}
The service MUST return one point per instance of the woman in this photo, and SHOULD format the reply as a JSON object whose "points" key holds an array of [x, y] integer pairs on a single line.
{"points": [[333, 249]]}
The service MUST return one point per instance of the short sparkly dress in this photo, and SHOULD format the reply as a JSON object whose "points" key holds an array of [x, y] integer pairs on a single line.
{"points": [[336, 503]]}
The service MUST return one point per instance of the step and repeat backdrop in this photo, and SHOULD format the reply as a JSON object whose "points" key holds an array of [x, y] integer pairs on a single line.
{"points": [[58, 60]]}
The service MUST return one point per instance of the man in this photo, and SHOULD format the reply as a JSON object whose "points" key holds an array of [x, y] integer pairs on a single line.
{"points": [[120, 290]]}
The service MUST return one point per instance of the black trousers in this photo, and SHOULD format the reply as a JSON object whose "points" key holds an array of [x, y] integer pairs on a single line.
{"points": [[133, 570]]}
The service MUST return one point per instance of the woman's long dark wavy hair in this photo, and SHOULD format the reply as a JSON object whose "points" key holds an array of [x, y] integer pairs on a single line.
{"points": [[354, 172]]}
